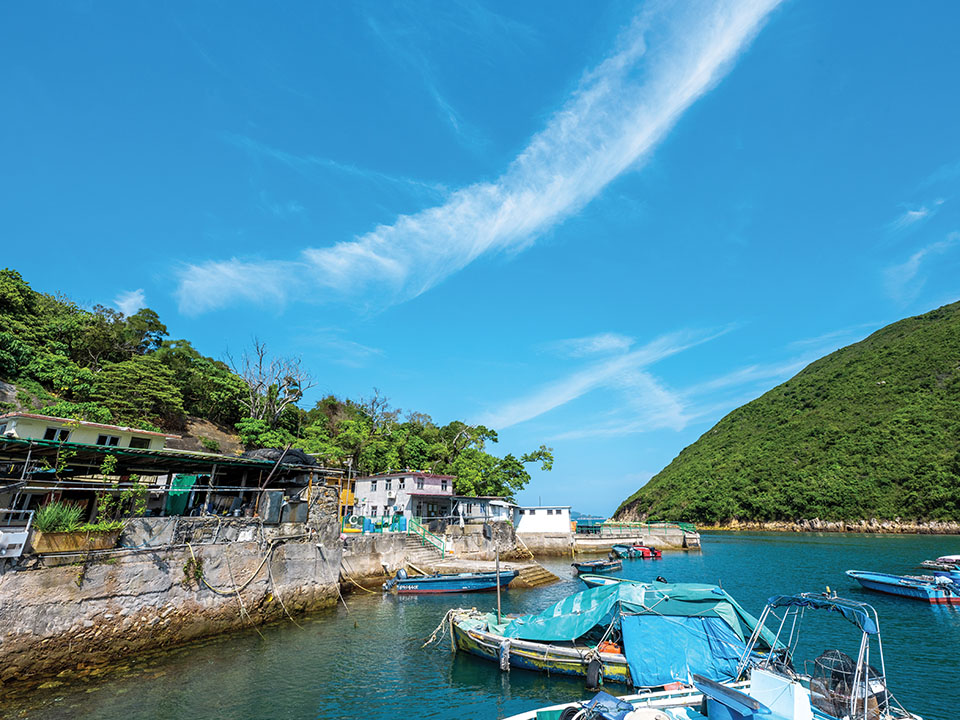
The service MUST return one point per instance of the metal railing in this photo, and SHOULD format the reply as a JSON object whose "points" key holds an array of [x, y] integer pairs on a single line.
{"points": [[416, 527], [14, 531]]}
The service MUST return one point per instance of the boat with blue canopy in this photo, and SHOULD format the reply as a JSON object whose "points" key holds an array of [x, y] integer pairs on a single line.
{"points": [[941, 587], [767, 685], [637, 634], [597, 566], [448, 583]]}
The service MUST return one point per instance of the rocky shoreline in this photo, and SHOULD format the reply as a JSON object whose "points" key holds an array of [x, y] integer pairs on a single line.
{"points": [[873, 525]]}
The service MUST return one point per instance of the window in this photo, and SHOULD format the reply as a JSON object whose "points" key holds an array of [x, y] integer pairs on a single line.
{"points": [[531, 512], [373, 486], [521, 511], [55, 433], [403, 483], [141, 443], [469, 508], [3, 428], [373, 510], [443, 485], [109, 440], [388, 485], [549, 511], [419, 483]]}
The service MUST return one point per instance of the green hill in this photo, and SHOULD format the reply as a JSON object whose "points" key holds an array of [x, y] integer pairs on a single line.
{"points": [[869, 431]]}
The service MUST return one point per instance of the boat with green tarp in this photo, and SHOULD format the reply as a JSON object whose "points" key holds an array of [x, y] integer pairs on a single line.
{"points": [[638, 634]]}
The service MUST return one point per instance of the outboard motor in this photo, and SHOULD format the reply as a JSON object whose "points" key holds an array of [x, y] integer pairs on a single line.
{"points": [[401, 575]]}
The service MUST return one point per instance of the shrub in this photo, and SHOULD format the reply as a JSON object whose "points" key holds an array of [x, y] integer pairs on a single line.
{"points": [[58, 517]]}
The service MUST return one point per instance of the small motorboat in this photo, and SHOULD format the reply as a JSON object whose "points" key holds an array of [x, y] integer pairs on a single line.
{"points": [[448, 583], [599, 580], [763, 682], [943, 588], [634, 551], [597, 566], [943, 563]]}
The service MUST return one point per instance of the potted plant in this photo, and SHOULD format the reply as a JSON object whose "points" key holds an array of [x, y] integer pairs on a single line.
{"points": [[57, 528]]}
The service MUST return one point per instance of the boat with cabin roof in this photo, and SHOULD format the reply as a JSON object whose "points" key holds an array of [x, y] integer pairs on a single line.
{"points": [[767, 685]]}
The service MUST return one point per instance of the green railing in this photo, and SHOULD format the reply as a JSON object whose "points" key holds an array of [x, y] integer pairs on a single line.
{"points": [[649, 527], [416, 527]]}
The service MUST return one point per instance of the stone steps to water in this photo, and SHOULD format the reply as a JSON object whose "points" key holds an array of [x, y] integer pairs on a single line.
{"points": [[535, 575]]}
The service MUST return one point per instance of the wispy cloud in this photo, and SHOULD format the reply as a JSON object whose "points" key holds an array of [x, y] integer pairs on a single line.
{"points": [[598, 344], [912, 216], [671, 55], [905, 281], [307, 164], [130, 301], [834, 337], [624, 373]]}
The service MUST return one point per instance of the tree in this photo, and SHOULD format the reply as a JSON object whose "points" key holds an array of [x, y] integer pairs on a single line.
{"points": [[272, 384], [141, 389]]}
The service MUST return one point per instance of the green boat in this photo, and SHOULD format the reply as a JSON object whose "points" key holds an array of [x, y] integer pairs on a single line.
{"points": [[636, 634]]}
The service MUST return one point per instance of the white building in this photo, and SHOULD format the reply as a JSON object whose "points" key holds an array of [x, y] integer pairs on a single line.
{"points": [[483, 508], [542, 519], [410, 493], [27, 426]]}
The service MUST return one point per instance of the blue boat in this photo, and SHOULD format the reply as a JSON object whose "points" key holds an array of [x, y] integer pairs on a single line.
{"points": [[597, 566], [762, 684], [448, 583], [919, 587]]}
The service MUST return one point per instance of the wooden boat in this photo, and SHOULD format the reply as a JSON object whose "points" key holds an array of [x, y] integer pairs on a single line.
{"points": [[766, 684], [598, 566], [637, 634], [635, 551], [933, 589], [448, 583]]}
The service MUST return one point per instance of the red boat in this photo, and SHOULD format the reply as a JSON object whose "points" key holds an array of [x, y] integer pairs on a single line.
{"points": [[647, 552]]}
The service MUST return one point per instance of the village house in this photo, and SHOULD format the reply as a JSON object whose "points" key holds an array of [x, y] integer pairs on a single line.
{"points": [[411, 493], [27, 426]]}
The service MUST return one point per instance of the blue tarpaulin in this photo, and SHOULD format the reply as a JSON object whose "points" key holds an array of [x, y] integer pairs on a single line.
{"points": [[663, 650]]}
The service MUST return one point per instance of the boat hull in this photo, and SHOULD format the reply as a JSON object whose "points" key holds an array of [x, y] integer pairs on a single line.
{"points": [[606, 567], [541, 657], [461, 583], [907, 587]]}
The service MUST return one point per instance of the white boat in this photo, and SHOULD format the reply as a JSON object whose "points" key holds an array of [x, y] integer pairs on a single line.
{"points": [[768, 685]]}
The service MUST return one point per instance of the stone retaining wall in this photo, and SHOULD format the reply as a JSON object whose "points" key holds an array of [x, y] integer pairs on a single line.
{"points": [[64, 615]]}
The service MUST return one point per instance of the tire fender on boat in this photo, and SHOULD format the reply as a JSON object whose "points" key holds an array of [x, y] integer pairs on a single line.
{"points": [[594, 674]]}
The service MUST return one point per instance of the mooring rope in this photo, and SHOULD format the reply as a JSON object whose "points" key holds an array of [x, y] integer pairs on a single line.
{"points": [[441, 628]]}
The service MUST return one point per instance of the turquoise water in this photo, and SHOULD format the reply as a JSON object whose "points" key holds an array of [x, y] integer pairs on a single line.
{"points": [[368, 663]]}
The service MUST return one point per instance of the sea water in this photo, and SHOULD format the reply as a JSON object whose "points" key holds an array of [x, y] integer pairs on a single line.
{"points": [[366, 661]]}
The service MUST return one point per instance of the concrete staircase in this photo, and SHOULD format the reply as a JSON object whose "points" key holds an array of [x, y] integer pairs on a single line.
{"points": [[418, 553], [534, 575]]}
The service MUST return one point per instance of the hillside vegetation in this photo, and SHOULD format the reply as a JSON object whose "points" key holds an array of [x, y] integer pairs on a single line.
{"points": [[869, 431], [102, 366]]}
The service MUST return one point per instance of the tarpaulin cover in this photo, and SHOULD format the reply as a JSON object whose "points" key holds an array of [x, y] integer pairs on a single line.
{"points": [[662, 650], [179, 494], [855, 614], [574, 616]]}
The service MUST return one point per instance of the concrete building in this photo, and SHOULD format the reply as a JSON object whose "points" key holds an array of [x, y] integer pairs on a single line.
{"points": [[543, 519], [483, 508], [27, 426], [412, 493]]}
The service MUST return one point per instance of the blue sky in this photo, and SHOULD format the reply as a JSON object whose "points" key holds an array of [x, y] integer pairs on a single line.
{"points": [[599, 226]]}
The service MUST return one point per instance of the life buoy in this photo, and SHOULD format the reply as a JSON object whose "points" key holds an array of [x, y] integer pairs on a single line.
{"points": [[353, 520]]}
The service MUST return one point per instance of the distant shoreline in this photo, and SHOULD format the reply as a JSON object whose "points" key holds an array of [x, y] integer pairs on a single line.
{"points": [[886, 527]]}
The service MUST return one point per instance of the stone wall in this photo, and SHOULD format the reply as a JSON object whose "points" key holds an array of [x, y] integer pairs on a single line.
{"points": [[557, 544], [57, 617]]}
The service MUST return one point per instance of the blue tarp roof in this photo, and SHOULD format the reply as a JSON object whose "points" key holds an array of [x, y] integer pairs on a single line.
{"points": [[857, 614]]}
